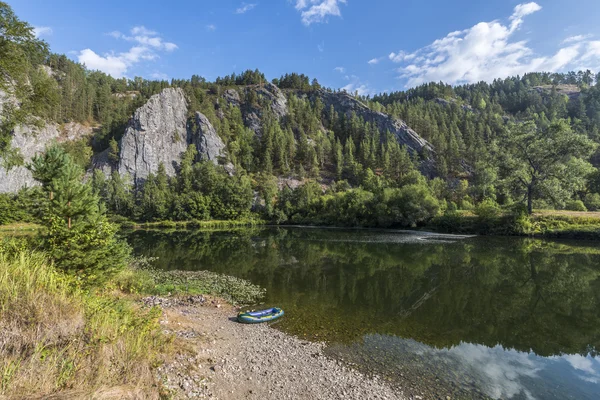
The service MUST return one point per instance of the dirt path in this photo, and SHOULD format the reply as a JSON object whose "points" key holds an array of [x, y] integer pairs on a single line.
{"points": [[229, 360]]}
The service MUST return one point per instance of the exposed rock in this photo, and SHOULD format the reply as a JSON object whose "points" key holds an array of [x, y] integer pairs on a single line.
{"points": [[345, 104], [49, 71], [445, 102], [291, 183], [252, 114], [7, 100], [75, 131], [275, 98], [156, 134], [102, 162], [3, 98], [232, 97], [208, 143], [28, 141], [131, 94], [571, 91], [253, 121]]}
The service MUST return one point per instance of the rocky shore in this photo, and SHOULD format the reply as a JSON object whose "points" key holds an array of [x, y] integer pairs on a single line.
{"points": [[220, 358]]}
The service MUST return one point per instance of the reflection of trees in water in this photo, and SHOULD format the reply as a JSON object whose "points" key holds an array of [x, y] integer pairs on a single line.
{"points": [[520, 293]]}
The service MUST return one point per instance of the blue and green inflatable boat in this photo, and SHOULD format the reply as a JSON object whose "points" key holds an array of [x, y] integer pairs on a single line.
{"points": [[256, 317]]}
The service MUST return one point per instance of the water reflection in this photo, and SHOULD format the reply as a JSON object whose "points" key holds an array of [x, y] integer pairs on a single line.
{"points": [[540, 299], [476, 370]]}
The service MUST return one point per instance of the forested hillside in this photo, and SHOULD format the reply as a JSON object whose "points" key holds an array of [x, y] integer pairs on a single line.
{"points": [[317, 155]]}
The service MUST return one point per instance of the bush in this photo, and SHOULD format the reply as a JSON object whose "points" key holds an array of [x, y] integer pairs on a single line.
{"points": [[592, 202], [91, 250], [487, 209], [575, 205]]}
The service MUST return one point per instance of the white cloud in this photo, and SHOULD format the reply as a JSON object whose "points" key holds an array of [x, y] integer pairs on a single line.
{"points": [[487, 51], [341, 70], [40, 31], [374, 61], [159, 76], [317, 11], [576, 38], [356, 85], [245, 8], [211, 27], [521, 11], [141, 30], [321, 47], [112, 65], [144, 37], [147, 44]]}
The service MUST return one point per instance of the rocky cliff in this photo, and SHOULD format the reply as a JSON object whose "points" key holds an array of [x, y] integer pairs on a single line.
{"points": [[156, 134], [159, 132], [208, 143], [28, 141], [345, 104], [266, 97]]}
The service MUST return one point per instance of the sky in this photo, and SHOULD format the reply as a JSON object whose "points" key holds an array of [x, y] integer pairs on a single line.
{"points": [[369, 46]]}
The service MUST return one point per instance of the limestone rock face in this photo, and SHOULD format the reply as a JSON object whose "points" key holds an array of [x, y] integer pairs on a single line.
{"points": [[75, 131], [253, 114], [345, 104], [156, 134], [29, 141], [275, 97], [208, 143], [232, 97]]}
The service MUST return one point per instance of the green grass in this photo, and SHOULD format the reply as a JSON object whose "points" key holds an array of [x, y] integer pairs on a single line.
{"points": [[553, 224], [196, 224], [57, 338], [141, 278], [19, 228]]}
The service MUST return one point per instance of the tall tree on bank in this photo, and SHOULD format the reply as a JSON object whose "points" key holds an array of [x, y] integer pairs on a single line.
{"points": [[78, 237], [549, 163]]}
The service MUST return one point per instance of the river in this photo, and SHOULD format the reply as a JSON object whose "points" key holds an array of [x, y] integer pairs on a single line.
{"points": [[440, 315]]}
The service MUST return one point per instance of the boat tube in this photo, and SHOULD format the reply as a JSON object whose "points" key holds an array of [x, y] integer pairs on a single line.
{"points": [[256, 317]]}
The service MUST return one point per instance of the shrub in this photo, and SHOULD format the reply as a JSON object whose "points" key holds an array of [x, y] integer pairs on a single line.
{"points": [[487, 209], [92, 250], [592, 201], [575, 205]]}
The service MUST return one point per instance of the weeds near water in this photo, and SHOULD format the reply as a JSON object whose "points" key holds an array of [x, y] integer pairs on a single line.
{"points": [[55, 337]]}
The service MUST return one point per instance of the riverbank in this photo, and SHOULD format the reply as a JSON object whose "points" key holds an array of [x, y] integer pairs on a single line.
{"points": [[224, 359], [542, 224]]}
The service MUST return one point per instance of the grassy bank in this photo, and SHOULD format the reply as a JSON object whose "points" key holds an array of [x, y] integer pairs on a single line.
{"points": [[55, 337], [19, 228], [58, 338], [553, 224], [212, 224]]}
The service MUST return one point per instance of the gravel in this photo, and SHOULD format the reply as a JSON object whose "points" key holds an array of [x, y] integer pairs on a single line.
{"points": [[228, 360]]}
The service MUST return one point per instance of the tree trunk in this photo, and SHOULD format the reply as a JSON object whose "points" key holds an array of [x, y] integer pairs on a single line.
{"points": [[530, 199]]}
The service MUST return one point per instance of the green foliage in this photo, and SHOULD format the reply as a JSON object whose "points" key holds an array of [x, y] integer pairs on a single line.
{"points": [[550, 164], [78, 237], [80, 152], [592, 201], [487, 209], [60, 334], [575, 205]]}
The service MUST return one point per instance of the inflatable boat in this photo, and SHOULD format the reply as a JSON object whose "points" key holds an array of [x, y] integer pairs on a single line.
{"points": [[256, 317]]}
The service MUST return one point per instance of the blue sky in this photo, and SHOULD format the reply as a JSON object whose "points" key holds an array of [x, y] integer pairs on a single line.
{"points": [[366, 46]]}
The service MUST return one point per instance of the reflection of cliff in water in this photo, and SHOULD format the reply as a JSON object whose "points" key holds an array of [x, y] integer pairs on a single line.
{"points": [[341, 285]]}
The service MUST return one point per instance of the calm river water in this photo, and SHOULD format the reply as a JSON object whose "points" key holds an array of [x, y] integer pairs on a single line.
{"points": [[466, 317]]}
